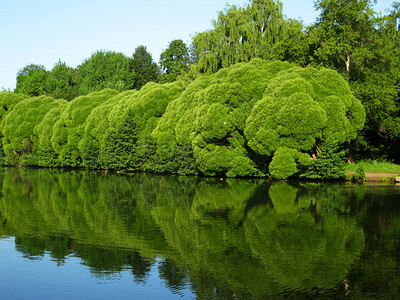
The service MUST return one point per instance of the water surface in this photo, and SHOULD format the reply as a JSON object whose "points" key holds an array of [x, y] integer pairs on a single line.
{"points": [[90, 235]]}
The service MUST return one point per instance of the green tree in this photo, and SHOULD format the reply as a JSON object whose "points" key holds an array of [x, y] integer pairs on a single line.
{"points": [[329, 165], [60, 82], [209, 119], [31, 80], [128, 144], [105, 69], [146, 70], [377, 86], [257, 31], [44, 153], [96, 129], [70, 127], [18, 127], [7, 102], [342, 33], [351, 38], [174, 60]]}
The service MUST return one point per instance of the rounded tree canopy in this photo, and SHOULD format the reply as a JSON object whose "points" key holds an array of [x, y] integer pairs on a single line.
{"points": [[69, 129], [259, 107], [18, 126]]}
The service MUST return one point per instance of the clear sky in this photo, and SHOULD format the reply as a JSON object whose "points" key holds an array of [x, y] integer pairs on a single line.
{"points": [[44, 31]]}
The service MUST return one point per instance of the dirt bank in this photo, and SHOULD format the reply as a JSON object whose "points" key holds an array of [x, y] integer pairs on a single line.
{"points": [[376, 177]]}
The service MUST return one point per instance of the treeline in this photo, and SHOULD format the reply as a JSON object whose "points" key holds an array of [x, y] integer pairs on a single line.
{"points": [[250, 119], [349, 37], [104, 69]]}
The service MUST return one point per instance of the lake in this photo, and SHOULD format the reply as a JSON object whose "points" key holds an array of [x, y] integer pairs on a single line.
{"points": [[92, 235]]}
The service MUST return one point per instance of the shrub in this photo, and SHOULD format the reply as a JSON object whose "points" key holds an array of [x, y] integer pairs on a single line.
{"points": [[330, 164], [359, 175]]}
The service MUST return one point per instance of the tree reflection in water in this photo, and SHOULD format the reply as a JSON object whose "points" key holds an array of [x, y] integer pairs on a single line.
{"points": [[245, 238]]}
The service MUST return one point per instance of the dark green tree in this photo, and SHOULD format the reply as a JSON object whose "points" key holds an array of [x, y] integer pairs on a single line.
{"points": [[146, 70], [364, 47], [60, 83], [105, 69], [377, 86], [31, 80], [342, 33], [174, 60]]}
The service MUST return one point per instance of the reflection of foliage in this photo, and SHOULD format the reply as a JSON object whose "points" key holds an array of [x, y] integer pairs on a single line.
{"points": [[299, 238], [298, 250], [376, 273]]}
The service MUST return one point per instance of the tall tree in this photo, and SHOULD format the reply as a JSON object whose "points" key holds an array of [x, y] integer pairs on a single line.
{"points": [[105, 69], [351, 38], [60, 83], [146, 70], [174, 60], [240, 34], [342, 33], [31, 80], [378, 87]]}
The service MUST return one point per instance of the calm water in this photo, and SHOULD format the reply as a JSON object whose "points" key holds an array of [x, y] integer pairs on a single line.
{"points": [[88, 235]]}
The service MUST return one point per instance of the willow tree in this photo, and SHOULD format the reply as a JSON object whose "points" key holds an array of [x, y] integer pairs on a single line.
{"points": [[208, 120], [69, 129], [301, 110], [18, 127], [233, 122], [96, 126], [43, 150], [7, 103], [127, 143], [240, 34]]}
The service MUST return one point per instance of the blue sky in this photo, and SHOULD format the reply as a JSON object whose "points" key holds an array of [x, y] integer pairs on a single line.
{"points": [[44, 31]]}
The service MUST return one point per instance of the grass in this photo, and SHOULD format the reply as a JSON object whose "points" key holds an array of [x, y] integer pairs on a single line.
{"points": [[374, 166]]}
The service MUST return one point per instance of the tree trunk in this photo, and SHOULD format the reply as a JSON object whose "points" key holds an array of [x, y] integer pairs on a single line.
{"points": [[348, 67]]}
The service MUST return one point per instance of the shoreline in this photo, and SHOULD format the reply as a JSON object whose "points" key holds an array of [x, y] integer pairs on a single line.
{"points": [[380, 177]]}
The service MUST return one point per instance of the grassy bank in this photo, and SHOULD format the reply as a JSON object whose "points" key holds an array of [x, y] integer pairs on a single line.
{"points": [[374, 166]]}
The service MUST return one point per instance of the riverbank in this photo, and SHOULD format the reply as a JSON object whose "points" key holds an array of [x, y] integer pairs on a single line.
{"points": [[379, 177]]}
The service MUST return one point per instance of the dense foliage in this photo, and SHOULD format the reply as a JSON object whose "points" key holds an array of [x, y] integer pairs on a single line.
{"points": [[174, 60], [18, 128], [287, 237], [348, 37], [31, 80], [251, 119], [145, 68], [257, 31], [105, 70]]}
